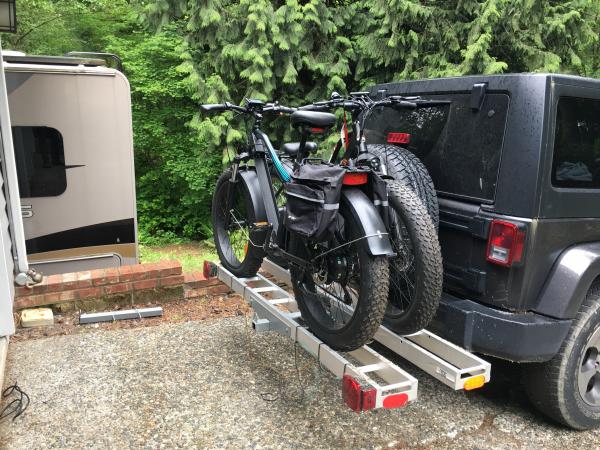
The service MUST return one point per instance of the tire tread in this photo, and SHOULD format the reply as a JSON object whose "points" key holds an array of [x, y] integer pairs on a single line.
{"points": [[545, 382], [405, 167], [429, 253]]}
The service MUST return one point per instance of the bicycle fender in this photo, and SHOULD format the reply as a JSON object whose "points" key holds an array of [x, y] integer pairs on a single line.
{"points": [[368, 218], [250, 179]]}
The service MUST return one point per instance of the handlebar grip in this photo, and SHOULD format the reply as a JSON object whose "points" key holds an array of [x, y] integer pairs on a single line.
{"points": [[351, 105], [213, 107]]}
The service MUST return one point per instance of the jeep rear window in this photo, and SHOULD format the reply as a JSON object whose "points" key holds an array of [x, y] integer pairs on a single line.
{"points": [[576, 162], [460, 147]]}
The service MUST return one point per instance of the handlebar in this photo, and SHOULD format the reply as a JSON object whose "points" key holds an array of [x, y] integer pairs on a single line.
{"points": [[331, 104], [279, 108], [268, 107], [219, 107], [360, 103], [402, 103], [363, 102], [213, 107]]}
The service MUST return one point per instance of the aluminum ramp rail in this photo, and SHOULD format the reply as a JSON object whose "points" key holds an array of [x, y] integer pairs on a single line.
{"points": [[369, 380], [452, 365]]}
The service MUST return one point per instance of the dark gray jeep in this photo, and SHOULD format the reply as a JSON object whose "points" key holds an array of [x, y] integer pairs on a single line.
{"points": [[515, 160]]}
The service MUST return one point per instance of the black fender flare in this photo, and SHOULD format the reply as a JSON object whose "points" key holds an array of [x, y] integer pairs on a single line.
{"points": [[250, 179], [367, 216], [569, 281]]}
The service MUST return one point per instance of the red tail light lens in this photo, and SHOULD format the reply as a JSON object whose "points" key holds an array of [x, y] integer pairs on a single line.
{"points": [[398, 138], [355, 178], [317, 130], [355, 397], [505, 243]]}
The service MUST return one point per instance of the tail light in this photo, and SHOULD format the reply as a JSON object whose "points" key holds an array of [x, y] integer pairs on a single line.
{"points": [[355, 178], [355, 397], [363, 399], [316, 130], [505, 243], [398, 138]]}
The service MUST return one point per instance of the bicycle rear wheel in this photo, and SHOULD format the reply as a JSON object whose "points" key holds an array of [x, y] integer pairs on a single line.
{"points": [[343, 296], [416, 271]]}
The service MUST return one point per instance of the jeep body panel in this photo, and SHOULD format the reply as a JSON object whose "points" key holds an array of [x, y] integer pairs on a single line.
{"points": [[519, 337], [562, 203], [511, 311], [518, 177], [569, 281]]}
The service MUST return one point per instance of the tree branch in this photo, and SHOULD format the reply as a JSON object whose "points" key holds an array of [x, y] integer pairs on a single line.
{"points": [[36, 27]]}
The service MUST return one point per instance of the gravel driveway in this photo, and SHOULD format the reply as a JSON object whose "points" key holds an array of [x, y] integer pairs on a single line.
{"points": [[217, 384]]}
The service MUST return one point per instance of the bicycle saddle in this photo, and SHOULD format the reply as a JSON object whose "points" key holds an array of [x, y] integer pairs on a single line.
{"points": [[291, 148], [312, 119]]}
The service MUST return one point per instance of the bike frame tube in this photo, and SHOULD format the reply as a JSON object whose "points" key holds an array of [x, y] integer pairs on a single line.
{"points": [[262, 146], [283, 174]]}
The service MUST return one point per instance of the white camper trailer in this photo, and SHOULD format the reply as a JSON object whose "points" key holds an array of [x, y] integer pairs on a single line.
{"points": [[72, 132]]}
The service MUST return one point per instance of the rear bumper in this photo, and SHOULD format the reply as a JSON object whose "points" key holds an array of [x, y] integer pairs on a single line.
{"points": [[523, 337]]}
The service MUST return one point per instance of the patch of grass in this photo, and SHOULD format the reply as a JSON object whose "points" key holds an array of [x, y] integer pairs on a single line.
{"points": [[191, 255]]}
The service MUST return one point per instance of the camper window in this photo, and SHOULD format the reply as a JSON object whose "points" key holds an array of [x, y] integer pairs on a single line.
{"points": [[40, 157]]}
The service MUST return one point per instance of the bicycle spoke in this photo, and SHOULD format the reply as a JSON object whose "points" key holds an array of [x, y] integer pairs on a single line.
{"points": [[402, 284]]}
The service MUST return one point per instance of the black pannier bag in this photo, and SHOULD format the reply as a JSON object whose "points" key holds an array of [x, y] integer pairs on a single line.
{"points": [[313, 199]]}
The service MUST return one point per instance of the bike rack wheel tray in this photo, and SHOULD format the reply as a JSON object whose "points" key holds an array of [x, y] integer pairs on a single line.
{"points": [[369, 380]]}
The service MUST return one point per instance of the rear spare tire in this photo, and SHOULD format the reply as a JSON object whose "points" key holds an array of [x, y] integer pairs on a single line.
{"points": [[408, 169]]}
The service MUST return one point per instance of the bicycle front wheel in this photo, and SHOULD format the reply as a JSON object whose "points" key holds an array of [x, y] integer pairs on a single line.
{"points": [[233, 216]]}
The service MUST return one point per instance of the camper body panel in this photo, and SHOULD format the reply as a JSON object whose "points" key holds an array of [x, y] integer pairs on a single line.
{"points": [[74, 147]]}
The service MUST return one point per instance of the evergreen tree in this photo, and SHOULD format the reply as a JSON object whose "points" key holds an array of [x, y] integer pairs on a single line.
{"points": [[304, 50]]}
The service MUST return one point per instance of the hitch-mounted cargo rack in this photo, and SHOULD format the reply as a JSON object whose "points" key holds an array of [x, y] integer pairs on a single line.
{"points": [[369, 379]]}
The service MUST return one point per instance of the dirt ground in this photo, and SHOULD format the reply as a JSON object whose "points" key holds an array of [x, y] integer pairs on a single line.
{"points": [[201, 378], [182, 310]]}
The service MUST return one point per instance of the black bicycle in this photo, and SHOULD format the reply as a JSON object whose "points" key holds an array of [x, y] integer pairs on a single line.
{"points": [[330, 233], [416, 270]]}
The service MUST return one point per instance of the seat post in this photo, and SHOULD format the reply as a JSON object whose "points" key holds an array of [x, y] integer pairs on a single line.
{"points": [[303, 138]]}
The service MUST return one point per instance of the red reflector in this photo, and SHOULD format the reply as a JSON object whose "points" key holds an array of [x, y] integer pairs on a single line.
{"points": [[369, 397], [355, 397], [351, 393], [209, 269], [395, 401], [317, 130], [355, 178], [505, 243], [398, 138]]}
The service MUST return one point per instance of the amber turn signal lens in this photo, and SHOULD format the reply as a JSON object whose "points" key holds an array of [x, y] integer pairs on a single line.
{"points": [[474, 382]]}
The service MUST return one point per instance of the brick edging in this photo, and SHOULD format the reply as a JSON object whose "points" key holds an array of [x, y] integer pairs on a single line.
{"points": [[100, 284], [90, 290]]}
